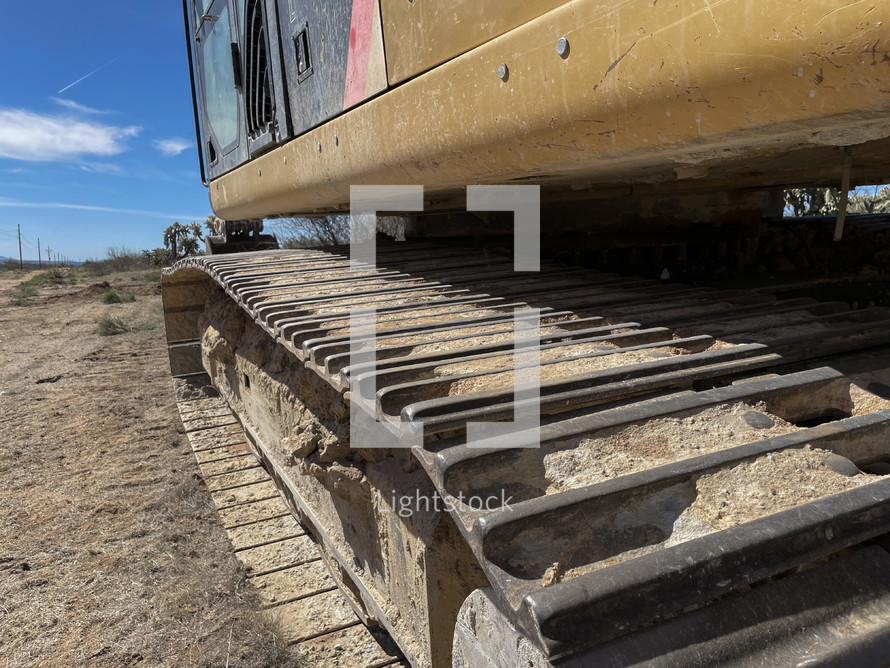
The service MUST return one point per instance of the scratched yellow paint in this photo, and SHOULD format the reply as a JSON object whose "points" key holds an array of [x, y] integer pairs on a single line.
{"points": [[421, 34], [653, 91]]}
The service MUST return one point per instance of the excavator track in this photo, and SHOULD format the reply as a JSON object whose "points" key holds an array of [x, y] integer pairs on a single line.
{"points": [[712, 468], [278, 553]]}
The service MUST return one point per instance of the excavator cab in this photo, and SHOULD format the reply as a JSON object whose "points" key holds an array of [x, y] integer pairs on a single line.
{"points": [[270, 71]]}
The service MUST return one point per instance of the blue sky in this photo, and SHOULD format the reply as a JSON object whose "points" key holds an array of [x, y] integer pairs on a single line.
{"points": [[96, 131]]}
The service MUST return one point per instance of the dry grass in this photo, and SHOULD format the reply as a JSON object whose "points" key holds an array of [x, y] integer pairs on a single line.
{"points": [[111, 553], [110, 325], [24, 293]]}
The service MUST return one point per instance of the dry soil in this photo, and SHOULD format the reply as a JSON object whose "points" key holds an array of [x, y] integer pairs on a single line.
{"points": [[111, 553]]}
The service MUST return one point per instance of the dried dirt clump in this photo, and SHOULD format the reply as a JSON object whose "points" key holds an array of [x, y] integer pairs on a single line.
{"points": [[772, 483], [637, 447], [594, 361]]}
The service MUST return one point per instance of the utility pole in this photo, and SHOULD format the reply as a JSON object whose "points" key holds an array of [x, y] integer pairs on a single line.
{"points": [[49, 258], [38, 252], [21, 264]]}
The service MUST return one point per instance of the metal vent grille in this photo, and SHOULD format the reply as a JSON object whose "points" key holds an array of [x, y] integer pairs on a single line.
{"points": [[258, 77]]}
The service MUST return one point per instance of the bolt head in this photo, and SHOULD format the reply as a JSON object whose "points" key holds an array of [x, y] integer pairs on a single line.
{"points": [[503, 72], [562, 47]]}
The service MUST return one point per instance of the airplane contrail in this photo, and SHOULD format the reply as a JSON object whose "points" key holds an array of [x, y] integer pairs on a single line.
{"points": [[86, 76]]}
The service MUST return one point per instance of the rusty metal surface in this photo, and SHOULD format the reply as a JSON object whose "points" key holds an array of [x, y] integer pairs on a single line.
{"points": [[443, 327]]}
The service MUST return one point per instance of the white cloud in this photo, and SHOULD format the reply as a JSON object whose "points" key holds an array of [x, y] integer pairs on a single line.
{"points": [[101, 168], [82, 108], [18, 204], [25, 135], [172, 146]]}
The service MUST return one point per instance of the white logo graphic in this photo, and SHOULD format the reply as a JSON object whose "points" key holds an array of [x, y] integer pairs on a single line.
{"points": [[366, 430]]}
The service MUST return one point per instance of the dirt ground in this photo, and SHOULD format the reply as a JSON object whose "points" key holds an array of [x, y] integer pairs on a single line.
{"points": [[111, 553]]}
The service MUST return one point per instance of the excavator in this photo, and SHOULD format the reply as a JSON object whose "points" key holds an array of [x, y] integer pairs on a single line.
{"points": [[512, 437]]}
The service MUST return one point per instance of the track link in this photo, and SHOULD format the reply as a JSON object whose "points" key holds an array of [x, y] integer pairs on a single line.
{"points": [[279, 554], [659, 403]]}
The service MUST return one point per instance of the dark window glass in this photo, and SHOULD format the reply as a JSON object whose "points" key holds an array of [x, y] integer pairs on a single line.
{"points": [[220, 96]]}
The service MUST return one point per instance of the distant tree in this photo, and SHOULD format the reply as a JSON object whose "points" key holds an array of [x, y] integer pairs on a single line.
{"points": [[870, 200], [812, 201], [826, 201], [213, 225], [182, 240]]}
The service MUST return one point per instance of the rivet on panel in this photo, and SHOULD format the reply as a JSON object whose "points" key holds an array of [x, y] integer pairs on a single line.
{"points": [[503, 72], [259, 172], [562, 47], [319, 147], [336, 140]]}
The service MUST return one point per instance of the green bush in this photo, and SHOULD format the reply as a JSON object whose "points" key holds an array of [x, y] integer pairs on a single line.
{"points": [[57, 276], [54, 276], [36, 281], [114, 297], [22, 295], [24, 291], [109, 326]]}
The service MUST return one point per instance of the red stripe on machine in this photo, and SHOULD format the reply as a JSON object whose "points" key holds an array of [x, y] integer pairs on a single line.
{"points": [[359, 48]]}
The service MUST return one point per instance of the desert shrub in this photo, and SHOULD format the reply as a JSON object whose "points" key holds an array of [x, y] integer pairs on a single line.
{"points": [[115, 297], [159, 257], [119, 258], [308, 232], [37, 281], [110, 326], [95, 268], [150, 276], [26, 290], [111, 297], [57, 276], [22, 294]]}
